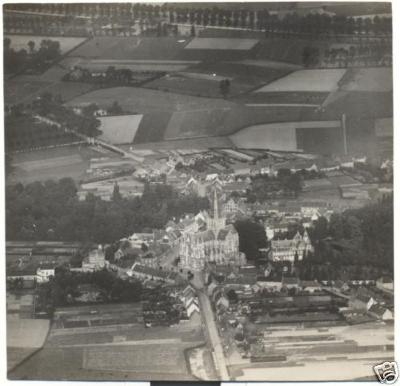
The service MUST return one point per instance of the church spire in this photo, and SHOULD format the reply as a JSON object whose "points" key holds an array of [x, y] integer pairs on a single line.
{"points": [[215, 205]]}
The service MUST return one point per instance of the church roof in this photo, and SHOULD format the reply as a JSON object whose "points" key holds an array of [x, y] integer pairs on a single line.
{"points": [[224, 232]]}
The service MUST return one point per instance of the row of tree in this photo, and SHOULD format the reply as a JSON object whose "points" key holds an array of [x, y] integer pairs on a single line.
{"points": [[287, 20]]}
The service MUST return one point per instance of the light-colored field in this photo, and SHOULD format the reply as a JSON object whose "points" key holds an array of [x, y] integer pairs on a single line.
{"points": [[307, 80], [313, 371], [275, 136], [19, 42], [221, 44], [119, 129], [26, 333], [371, 79]]}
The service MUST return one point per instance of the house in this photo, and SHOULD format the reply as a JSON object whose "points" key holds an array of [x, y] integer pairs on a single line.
{"points": [[45, 272], [222, 303], [291, 282], [310, 285], [341, 286], [381, 313], [385, 283], [191, 308], [211, 288], [361, 301], [271, 285], [95, 260], [148, 273], [137, 239]]}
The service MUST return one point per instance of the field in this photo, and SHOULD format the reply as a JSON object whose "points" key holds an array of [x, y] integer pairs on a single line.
{"points": [[55, 163], [119, 129], [221, 44], [19, 42], [133, 65], [369, 79], [163, 48], [93, 344], [24, 334], [25, 90], [203, 79], [272, 136], [307, 80]]}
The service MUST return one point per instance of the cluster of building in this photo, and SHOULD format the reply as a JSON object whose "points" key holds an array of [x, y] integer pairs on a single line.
{"points": [[169, 305], [28, 263]]}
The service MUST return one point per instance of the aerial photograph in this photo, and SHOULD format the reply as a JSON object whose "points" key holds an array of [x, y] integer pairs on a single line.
{"points": [[199, 191]]}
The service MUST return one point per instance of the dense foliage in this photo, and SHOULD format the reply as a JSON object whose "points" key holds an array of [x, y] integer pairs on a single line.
{"points": [[36, 60], [52, 211], [285, 184], [252, 237], [63, 288], [360, 240]]}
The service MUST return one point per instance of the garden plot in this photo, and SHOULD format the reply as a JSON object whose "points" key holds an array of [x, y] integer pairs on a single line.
{"points": [[119, 129], [325, 80], [221, 44]]}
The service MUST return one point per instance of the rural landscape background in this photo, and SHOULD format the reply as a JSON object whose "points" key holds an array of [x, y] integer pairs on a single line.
{"points": [[133, 131]]}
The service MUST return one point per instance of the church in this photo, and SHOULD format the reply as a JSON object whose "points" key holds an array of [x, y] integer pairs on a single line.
{"points": [[213, 241]]}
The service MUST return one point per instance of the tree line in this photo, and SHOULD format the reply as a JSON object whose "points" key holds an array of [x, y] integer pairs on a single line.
{"points": [[285, 21], [51, 210]]}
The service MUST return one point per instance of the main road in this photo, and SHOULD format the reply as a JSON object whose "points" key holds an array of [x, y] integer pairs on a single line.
{"points": [[213, 335]]}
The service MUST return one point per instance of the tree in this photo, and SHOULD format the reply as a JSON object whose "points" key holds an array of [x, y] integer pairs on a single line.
{"points": [[224, 86], [31, 45], [192, 31], [116, 196], [232, 296], [115, 109]]}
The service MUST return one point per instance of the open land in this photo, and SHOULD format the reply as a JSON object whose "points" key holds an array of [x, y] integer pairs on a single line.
{"points": [[54, 163], [111, 340]]}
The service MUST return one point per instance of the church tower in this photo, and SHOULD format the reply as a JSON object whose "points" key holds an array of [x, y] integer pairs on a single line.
{"points": [[217, 222]]}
